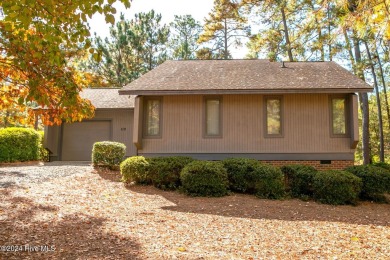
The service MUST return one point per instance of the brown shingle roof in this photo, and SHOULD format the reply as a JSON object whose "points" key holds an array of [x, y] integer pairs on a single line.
{"points": [[107, 98], [245, 76]]}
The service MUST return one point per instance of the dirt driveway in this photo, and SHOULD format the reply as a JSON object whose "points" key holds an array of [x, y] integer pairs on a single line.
{"points": [[71, 211]]}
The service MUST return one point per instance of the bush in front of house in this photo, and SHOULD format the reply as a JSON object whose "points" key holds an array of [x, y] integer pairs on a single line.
{"points": [[268, 181], [240, 174], [108, 153], [43, 152], [165, 171], [299, 180], [204, 178], [19, 144], [135, 169], [382, 165], [336, 187], [376, 181]]}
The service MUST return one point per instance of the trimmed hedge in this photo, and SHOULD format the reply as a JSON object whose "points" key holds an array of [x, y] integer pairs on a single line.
{"points": [[268, 182], [376, 181], [382, 165], [165, 171], [204, 178], [240, 174], [108, 153], [135, 169], [19, 144], [299, 180], [336, 187]]}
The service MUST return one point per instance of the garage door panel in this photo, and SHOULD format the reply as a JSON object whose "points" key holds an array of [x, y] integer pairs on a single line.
{"points": [[78, 139]]}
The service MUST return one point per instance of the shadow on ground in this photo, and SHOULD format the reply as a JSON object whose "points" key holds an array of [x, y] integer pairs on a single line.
{"points": [[72, 237], [247, 206], [107, 174]]}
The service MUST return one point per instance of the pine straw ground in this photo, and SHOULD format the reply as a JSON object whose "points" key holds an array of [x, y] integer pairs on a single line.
{"points": [[91, 215]]}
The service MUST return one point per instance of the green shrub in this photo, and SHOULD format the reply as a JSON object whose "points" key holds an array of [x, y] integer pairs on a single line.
{"points": [[135, 169], [204, 178], [376, 181], [299, 180], [382, 165], [240, 175], [108, 153], [336, 187], [268, 181], [43, 152], [165, 171], [19, 144]]}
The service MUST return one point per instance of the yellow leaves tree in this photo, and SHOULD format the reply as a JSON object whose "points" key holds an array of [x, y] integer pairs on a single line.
{"points": [[39, 39]]}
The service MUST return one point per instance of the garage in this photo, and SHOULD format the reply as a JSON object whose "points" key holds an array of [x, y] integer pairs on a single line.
{"points": [[113, 121], [78, 138]]}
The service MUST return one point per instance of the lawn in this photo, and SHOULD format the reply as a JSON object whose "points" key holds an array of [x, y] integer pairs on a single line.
{"points": [[89, 214]]}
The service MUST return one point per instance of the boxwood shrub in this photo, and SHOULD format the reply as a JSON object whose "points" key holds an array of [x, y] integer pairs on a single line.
{"points": [[299, 180], [135, 169], [165, 171], [336, 187], [376, 181], [204, 178], [108, 153], [268, 181], [19, 144], [240, 174]]}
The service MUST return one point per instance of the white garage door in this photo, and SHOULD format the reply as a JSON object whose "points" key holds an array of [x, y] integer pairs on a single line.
{"points": [[78, 139]]}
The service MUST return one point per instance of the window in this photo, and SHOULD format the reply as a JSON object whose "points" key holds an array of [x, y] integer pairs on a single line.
{"points": [[213, 121], [152, 117], [273, 117], [339, 126]]}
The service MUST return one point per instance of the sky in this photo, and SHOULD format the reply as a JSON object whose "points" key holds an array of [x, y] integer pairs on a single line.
{"points": [[199, 9]]}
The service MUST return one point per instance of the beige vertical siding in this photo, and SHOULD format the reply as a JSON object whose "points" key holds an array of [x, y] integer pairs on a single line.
{"points": [[306, 127], [121, 119], [51, 139]]}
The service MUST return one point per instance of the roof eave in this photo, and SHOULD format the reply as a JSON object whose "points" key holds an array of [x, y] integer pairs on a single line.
{"points": [[240, 91]]}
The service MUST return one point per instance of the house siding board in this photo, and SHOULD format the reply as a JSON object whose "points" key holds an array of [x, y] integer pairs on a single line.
{"points": [[120, 118], [306, 127]]}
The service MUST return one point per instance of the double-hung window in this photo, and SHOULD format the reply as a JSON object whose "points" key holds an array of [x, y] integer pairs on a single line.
{"points": [[213, 117], [152, 117], [339, 116], [273, 107]]}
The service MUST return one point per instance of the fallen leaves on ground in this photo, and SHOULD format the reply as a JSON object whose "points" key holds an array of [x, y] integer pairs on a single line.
{"points": [[91, 215]]}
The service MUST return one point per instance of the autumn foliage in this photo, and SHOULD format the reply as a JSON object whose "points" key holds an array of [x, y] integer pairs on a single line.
{"points": [[39, 42]]}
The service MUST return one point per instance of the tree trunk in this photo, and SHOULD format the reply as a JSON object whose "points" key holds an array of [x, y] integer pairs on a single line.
{"points": [[363, 98], [379, 107], [225, 53], [329, 33], [286, 35], [384, 85]]}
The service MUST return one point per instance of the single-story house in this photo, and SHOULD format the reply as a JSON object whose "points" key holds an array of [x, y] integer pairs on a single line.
{"points": [[291, 112]]}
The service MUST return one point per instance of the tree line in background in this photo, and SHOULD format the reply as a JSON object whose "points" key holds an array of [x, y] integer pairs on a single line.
{"points": [[47, 54]]}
